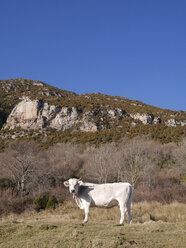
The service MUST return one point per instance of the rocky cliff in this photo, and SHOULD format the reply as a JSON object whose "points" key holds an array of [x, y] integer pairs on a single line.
{"points": [[36, 114], [33, 105]]}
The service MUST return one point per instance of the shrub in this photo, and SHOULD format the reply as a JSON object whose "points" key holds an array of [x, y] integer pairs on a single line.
{"points": [[52, 201], [41, 201], [45, 201], [5, 183]]}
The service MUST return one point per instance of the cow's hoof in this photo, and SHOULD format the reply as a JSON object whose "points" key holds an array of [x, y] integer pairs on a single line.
{"points": [[119, 225]]}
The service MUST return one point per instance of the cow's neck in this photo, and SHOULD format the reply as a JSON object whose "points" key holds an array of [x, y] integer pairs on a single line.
{"points": [[78, 201]]}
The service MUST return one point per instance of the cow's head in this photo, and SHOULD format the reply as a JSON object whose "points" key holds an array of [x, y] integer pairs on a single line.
{"points": [[73, 184]]}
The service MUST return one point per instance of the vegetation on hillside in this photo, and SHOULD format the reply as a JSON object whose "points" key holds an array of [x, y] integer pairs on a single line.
{"points": [[156, 172], [48, 137], [13, 90]]}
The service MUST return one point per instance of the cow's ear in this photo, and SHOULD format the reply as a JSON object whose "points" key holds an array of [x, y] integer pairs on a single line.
{"points": [[80, 182], [66, 183]]}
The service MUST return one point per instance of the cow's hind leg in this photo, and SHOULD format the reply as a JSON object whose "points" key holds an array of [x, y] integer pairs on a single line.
{"points": [[129, 214], [129, 206], [123, 211]]}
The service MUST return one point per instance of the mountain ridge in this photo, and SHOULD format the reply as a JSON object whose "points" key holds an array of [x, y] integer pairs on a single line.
{"points": [[65, 111]]}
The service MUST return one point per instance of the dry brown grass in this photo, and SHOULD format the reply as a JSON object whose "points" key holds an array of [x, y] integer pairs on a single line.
{"points": [[154, 225]]}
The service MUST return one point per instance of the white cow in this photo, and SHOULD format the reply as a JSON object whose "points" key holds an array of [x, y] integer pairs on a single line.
{"points": [[101, 195]]}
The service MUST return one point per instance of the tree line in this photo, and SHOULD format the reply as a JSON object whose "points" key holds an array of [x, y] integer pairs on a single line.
{"points": [[156, 171]]}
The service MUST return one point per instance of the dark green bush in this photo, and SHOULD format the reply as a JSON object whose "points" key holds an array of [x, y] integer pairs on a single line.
{"points": [[5, 183], [52, 202], [45, 201], [41, 201]]}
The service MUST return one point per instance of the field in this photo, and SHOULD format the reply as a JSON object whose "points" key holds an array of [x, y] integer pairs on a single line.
{"points": [[154, 226]]}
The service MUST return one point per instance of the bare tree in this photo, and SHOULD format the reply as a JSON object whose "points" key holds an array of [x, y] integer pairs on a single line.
{"points": [[117, 162], [65, 160], [179, 154], [99, 165], [132, 159], [20, 162]]}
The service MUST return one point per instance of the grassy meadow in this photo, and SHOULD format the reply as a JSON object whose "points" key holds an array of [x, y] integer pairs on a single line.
{"points": [[154, 226]]}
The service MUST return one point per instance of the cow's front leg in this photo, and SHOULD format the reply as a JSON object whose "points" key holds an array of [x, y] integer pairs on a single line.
{"points": [[86, 214], [86, 209]]}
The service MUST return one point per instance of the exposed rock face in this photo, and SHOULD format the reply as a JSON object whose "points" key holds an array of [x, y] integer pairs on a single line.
{"points": [[24, 115], [51, 93], [183, 123], [60, 118], [175, 123], [157, 120], [171, 123], [144, 118], [88, 126], [35, 114], [38, 83], [116, 112]]}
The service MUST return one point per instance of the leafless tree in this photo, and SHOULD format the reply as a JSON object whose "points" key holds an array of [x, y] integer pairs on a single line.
{"points": [[179, 154], [65, 160], [99, 165], [21, 163], [133, 158]]}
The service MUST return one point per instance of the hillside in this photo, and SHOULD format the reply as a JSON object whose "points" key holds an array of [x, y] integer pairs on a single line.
{"points": [[34, 110]]}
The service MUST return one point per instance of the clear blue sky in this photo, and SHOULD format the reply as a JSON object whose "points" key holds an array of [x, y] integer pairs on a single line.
{"points": [[130, 48]]}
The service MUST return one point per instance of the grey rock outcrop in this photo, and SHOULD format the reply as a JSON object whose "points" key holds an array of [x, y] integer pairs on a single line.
{"points": [[144, 118], [88, 126], [175, 123], [116, 112], [157, 120], [35, 114], [25, 115]]}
